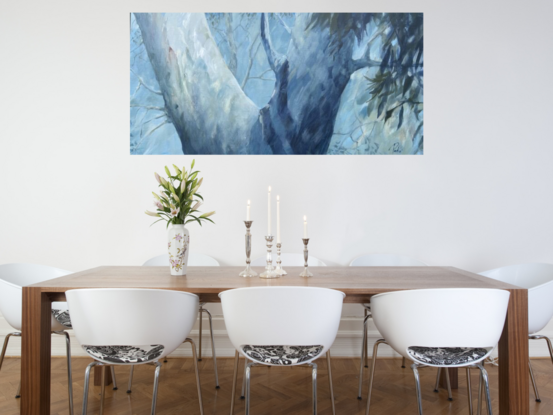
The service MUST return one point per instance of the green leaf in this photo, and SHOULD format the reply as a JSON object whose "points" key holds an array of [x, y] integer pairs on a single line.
{"points": [[407, 84], [400, 118], [192, 165]]}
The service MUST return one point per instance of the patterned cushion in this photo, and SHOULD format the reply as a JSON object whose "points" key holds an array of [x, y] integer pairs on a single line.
{"points": [[62, 317], [282, 355], [125, 354], [445, 356]]}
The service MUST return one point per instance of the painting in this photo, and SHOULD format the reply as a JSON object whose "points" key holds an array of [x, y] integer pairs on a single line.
{"points": [[276, 83]]}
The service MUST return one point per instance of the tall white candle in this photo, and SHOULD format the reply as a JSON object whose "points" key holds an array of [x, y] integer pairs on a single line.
{"points": [[278, 219], [305, 227], [269, 212], [248, 211]]}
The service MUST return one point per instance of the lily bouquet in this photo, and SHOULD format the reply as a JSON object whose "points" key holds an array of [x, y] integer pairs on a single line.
{"points": [[179, 200]]}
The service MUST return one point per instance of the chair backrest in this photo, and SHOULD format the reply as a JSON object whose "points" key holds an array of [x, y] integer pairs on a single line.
{"points": [[15, 276], [195, 259], [385, 260], [283, 316], [453, 317], [289, 260], [132, 317], [538, 279]]}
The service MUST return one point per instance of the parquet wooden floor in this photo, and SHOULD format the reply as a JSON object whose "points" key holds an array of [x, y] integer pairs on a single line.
{"points": [[275, 391]]}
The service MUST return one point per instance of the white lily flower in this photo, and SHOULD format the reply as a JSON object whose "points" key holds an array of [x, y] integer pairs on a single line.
{"points": [[174, 212], [197, 205]]}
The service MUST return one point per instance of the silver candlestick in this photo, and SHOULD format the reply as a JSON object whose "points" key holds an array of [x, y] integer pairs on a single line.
{"points": [[248, 272], [278, 268], [269, 269], [305, 273]]}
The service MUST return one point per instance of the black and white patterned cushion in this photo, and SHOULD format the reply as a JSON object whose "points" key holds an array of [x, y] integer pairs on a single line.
{"points": [[446, 356], [62, 317], [125, 354], [282, 355]]}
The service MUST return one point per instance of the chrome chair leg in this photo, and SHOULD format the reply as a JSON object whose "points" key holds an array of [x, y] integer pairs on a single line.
{"points": [[4, 348], [113, 378], [156, 384], [533, 381], [234, 378], [243, 393], [366, 339], [213, 348], [86, 386], [247, 377], [200, 336], [103, 390], [314, 382], [449, 395], [414, 366], [129, 390], [403, 363], [363, 356], [18, 394], [195, 358], [437, 386], [371, 378], [330, 382], [469, 390], [447, 381], [69, 376], [484, 374], [480, 384]]}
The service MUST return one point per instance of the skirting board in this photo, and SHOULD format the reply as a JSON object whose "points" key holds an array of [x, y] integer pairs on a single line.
{"points": [[347, 344]]}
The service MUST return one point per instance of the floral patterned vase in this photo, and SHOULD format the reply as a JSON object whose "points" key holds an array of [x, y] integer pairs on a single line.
{"points": [[178, 245]]}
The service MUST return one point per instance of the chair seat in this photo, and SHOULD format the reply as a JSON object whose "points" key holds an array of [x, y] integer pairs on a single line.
{"points": [[446, 356], [125, 354], [62, 317], [282, 355]]}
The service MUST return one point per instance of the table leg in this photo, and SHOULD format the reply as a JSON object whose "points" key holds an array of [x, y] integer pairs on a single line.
{"points": [[98, 376], [35, 352], [514, 389]]}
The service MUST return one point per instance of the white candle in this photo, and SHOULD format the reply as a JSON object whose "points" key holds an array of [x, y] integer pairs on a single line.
{"points": [[278, 219], [305, 227], [248, 211], [269, 212]]}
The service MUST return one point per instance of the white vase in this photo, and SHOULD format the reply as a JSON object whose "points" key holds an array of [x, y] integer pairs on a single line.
{"points": [[178, 242]]}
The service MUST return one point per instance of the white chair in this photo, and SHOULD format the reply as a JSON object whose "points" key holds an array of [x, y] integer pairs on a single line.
{"points": [[538, 279], [144, 326], [381, 260], [277, 326], [409, 323], [290, 260], [12, 279], [195, 259]]}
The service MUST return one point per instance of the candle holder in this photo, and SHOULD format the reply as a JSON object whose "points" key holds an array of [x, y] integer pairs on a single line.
{"points": [[248, 272], [269, 269], [305, 273], [278, 268]]}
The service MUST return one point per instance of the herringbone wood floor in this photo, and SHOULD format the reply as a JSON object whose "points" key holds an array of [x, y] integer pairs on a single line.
{"points": [[281, 391]]}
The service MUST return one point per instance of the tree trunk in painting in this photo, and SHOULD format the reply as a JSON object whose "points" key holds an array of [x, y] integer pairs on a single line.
{"points": [[210, 111], [203, 100], [299, 118]]}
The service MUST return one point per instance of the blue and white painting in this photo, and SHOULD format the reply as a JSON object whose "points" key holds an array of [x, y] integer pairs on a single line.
{"points": [[276, 83]]}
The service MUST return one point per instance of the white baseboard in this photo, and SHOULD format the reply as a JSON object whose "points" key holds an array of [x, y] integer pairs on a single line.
{"points": [[347, 344]]}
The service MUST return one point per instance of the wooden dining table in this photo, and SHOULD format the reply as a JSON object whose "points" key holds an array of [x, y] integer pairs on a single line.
{"points": [[358, 283]]}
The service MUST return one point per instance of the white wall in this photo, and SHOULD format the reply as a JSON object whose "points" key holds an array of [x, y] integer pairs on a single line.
{"points": [[479, 198]]}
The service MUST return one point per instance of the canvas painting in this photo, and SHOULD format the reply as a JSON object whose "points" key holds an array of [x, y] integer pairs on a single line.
{"points": [[276, 83]]}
